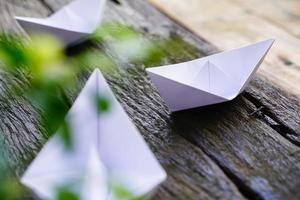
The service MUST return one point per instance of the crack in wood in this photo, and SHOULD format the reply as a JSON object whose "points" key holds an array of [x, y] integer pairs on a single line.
{"points": [[271, 120], [244, 189], [256, 111], [47, 6], [118, 2], [209, 164]]}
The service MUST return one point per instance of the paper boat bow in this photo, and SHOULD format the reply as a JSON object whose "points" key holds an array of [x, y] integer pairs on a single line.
{"points": [[209, 80], [105, 145], [71, 24]]}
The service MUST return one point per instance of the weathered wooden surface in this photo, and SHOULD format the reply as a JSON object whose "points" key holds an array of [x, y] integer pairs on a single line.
{"points": [[226, 151], [232, 23]]}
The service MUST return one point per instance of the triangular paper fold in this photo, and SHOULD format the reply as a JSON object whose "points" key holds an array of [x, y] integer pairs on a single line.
{"points": [[71, 24], [208, 80], [89, 181], [111, 138]]}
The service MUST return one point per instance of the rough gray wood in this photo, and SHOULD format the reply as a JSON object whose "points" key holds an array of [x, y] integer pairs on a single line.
{"points": [[19, 120], [251, 179], [279, 109], [209, 181], [227, 151]]}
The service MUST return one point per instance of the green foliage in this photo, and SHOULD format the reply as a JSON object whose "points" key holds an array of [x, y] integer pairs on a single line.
{"points": [[10, 188], [48, 73], [12, 52], [127, 45], [66, 194], [66, 134], [122, 193], [102, 103]]}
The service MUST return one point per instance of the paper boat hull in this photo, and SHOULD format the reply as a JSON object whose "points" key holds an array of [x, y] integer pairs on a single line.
{"points": [[119, 146], [208, 80], [67, 37], [71, 24], [181, 97]]}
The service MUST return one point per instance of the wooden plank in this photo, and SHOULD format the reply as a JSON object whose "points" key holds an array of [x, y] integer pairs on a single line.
{"points": [[285, 109], [9, 9], [283, 113], [19, 124], [247, 149], [241, 143], [228, 24], [251, 153], [21, 128], [284, 14], [243, 178]]}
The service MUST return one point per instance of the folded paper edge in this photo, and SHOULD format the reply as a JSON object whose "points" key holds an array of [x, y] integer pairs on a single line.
{"points": [[27, 20], [161, 175], [152, 69], [187, 85]]}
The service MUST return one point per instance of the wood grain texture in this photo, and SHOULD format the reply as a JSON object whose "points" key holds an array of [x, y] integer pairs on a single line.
{"points": [[233, 23], [9, 9], [284, 14], [19, 119], [21, 127], [228, 151]]}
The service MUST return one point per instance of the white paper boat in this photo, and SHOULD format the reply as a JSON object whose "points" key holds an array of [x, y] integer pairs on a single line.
{"points": [[208, 80], [106, 145], [71, 24]]}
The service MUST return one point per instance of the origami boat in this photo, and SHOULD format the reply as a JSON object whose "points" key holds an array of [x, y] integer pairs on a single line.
{"points": [[71, 24], [106, 147], [208, 80]]}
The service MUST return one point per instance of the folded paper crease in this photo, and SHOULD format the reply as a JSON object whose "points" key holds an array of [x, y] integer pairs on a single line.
{"points": [[208, 80], [71, 24], [108, 141]]}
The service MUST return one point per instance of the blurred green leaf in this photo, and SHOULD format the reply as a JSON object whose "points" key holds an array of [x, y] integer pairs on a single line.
{"points": [[50, 73], [95, 59], [10, 188], [66, 194], [12, 52], [66, 134], [114, 32], [128, 45], [102, 103], [122, 193]]}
